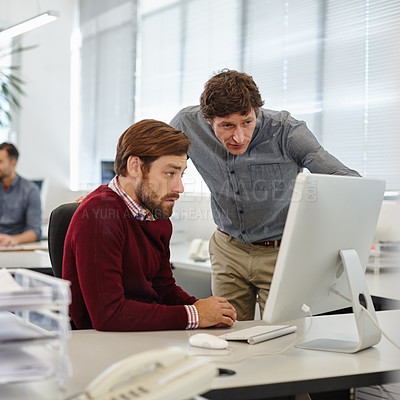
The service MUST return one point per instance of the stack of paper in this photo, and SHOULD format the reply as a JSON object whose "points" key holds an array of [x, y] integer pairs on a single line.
{"points": [[12, 294], [34, 326], [17, 365], [14, 329]]}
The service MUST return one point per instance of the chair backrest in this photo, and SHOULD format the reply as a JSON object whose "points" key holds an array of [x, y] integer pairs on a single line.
{"points": [[59, 221]]}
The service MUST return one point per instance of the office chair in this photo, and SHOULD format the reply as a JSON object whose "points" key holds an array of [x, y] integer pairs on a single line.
{"points": [[59, 221]]}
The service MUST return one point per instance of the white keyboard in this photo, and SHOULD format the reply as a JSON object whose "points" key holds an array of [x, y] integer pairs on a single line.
{"points": [[259, 333]]}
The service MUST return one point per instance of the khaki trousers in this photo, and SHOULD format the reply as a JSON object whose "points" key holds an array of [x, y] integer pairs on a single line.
{"points": [[241, 273]]}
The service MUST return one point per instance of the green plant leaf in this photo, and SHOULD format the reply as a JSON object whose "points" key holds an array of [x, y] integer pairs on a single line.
{"points": [[15, 101], [14, 78], [4, 89], [11, 85]]}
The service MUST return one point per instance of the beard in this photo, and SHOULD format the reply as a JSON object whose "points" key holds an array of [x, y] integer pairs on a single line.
{"points": [[149, 199], [4, 174]]}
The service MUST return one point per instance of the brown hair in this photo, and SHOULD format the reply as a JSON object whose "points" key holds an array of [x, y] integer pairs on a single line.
{"points": [[149, 139], [229, 92], [12, 151]]}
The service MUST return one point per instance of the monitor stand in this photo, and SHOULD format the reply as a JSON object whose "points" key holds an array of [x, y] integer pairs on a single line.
{"points": [[368, 332]]}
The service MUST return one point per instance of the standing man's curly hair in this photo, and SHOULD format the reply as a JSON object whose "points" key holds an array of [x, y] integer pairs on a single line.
{"points": [[229, 92]]}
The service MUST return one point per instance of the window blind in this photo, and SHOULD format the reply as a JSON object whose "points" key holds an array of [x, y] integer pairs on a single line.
{"points": [[332, 63], [361, 86], [107, 87]]}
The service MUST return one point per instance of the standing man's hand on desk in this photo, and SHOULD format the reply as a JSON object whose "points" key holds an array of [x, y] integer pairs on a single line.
{"points": [[215, 311]]}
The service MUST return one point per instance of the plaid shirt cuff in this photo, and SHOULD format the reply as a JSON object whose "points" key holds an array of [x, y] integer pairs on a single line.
{"points": [[193, 317]]}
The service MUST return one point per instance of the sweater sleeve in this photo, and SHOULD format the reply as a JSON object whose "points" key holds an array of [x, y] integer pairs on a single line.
{"points": [[95, 244], [164, 283]]}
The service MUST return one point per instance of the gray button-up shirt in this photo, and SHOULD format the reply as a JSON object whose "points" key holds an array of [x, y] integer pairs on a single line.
{"points": [[20, 208], [250, 193]]}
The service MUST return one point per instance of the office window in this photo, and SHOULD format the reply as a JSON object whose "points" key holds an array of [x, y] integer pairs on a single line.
{"points": [[212, 34], [159, 63], [106, 97], [332, 63], [282, 52], [181, 44], [361, 92], [176, 60]]}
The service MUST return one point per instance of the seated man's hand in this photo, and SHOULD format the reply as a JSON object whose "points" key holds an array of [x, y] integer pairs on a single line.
{"points": [[215, 311], [7, 240]]}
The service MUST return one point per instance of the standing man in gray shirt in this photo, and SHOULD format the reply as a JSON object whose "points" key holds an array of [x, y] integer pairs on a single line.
{"points": [[20, 207], [249, 158]]}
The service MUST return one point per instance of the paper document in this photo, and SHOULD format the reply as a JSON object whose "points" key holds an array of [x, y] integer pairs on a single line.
{"points": [[12, 294], [14, 329], [7, 282], [18, 365]]}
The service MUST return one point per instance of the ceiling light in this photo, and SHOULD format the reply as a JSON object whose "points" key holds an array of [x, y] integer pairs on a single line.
{"points": [[28, 25]]}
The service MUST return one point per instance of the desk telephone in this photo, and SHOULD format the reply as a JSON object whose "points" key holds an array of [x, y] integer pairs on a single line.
{"points": [[160, 374], [198, 250]]}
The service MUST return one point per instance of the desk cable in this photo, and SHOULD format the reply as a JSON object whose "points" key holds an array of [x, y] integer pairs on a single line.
{"points": [[380, 329], [370, 317], [386, 391], [301, 337]]}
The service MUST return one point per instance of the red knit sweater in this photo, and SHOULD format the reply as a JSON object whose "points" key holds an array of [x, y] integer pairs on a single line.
{"points": [[121, 278]]}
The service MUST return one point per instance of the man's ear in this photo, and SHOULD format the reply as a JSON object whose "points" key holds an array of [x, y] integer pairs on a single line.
{"points": [[134, 166]]}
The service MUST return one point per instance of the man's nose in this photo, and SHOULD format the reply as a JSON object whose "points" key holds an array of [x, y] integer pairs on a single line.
{"points": [[238, 135], [178, 187]]}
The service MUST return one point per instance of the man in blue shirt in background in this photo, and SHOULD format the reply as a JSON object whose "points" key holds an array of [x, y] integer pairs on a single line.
{"points": [[20, 208]]}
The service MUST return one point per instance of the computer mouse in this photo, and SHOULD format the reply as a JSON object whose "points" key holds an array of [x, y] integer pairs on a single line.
{"points": [[208, 341]]}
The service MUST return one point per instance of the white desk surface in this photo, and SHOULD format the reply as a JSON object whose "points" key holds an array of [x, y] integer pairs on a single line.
{"points": [[258, 372], [37, 259], [29, 255]]}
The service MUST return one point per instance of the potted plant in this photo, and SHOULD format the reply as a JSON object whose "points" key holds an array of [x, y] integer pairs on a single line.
{"points": [[11, 85]]}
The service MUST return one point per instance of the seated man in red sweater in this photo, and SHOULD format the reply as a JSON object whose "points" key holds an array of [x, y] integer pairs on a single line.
{"points": [[116, 251]]}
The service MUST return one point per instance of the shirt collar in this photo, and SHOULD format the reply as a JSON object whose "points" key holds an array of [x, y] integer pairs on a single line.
{"points": [[13, 183], [136, 209]]}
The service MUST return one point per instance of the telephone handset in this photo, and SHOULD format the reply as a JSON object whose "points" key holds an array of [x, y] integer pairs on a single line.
{"points": [[198, 250], [160, 374]]}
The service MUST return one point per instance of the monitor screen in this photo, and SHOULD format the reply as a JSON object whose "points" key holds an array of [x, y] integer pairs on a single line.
{"points": [[107, 172], [324, 251]]}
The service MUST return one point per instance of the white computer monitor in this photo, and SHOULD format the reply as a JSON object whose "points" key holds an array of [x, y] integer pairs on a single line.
{"points": [[323, 255]]}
